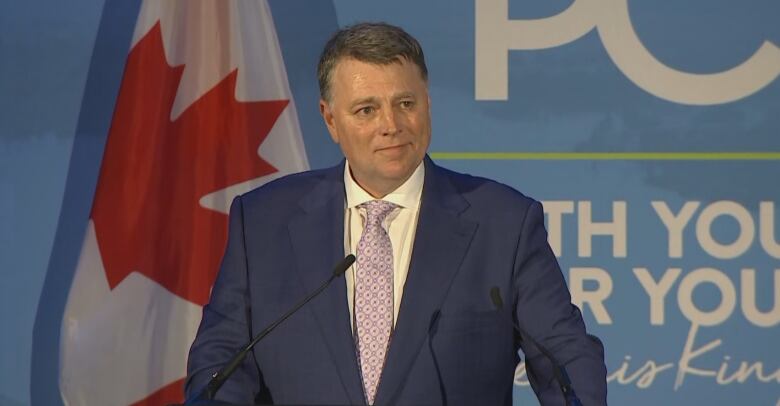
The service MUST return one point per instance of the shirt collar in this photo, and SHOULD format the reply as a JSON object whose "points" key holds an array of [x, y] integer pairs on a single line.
{"points": [[407, 195]]}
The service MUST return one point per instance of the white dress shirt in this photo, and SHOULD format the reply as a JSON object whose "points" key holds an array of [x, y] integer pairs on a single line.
{"points": [[400, 225]]}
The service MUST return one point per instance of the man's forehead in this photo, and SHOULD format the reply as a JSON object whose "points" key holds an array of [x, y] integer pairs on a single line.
{"points": [[361, 79]]}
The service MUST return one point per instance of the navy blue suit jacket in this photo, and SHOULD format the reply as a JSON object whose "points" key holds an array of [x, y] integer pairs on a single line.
{"points": [[450, 345]]}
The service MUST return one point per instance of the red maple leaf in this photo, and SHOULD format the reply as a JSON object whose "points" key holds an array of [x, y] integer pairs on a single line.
{"points": [[154, 172]]}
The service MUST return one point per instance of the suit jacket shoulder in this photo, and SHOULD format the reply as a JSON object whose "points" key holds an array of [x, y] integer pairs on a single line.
{"points": [[289, 189], [488, 201]]}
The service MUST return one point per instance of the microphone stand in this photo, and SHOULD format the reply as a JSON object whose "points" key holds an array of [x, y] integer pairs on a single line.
{"points": [[558, 370], [218, 378]]}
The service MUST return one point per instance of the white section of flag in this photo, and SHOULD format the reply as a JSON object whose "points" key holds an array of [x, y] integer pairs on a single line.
{"points": [[109, 337]]}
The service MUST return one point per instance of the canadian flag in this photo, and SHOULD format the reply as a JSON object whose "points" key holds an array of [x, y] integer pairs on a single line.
{"points": [[204, 113]]}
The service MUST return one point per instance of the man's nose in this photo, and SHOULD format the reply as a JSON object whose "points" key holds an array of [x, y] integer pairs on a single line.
{"points": [[389, 121]]}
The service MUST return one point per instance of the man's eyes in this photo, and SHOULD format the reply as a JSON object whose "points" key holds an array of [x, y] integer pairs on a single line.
{"points": [[369, 110], [364, 111]]}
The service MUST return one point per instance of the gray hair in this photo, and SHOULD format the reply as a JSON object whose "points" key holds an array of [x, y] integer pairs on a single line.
{"points": [[377, 43]]}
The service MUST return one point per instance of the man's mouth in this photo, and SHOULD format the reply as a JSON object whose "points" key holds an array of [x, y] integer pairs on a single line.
{"points": [[392, 147]]}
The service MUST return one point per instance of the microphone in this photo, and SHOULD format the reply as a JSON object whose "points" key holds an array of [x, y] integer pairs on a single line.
{"points": [[218, 378], [558, 370]]}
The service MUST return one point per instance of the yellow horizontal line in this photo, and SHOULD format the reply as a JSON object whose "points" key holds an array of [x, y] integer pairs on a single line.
{"points": [[610, 156]]}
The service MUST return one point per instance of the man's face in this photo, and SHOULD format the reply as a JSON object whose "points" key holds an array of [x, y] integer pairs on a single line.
{"points": [[380, 117]]}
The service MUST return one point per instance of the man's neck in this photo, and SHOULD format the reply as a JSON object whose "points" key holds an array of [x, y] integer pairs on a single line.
{"points": [[408, 190]]}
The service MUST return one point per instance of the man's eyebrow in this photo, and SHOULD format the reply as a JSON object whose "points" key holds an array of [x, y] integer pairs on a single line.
{"points": [[404, 95], [374, 100], [365, 100]]}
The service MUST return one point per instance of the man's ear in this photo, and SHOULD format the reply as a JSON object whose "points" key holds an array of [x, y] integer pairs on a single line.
{"points": [[327, 116]]}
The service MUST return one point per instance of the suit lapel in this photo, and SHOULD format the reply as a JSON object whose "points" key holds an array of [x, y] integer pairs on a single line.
{"points": [[317, 236], [441, 241]]}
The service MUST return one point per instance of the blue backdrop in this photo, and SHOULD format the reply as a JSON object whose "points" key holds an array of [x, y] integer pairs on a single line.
{"points": [[650, 129]]}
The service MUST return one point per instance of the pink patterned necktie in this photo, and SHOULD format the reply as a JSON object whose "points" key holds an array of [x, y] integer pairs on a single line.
{"points": [[374, 295]]}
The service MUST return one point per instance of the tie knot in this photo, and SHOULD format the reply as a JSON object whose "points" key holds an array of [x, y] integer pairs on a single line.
{"points": [[377, 210]]}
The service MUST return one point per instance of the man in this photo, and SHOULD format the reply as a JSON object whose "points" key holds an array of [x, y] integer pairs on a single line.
{"points": [[413, 322]]}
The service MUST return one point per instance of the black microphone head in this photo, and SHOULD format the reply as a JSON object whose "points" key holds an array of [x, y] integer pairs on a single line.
{"points": [[342, 266], [495, 296]]}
